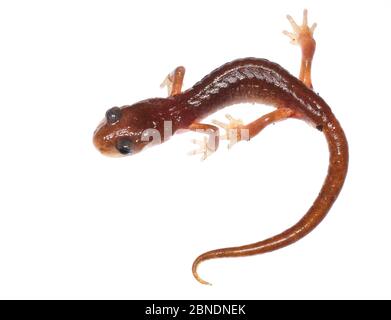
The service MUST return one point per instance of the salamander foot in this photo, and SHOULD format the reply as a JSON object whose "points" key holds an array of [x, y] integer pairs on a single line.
{"points": [[174, 81], [205, 149], [303, 36], [235, 130], [300, 32]]}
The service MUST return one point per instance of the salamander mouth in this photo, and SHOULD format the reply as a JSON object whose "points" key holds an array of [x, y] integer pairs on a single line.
{"points": [[107, 151]]}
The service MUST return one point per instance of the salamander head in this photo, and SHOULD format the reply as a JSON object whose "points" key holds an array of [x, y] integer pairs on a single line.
{"points": [[127, 130]]}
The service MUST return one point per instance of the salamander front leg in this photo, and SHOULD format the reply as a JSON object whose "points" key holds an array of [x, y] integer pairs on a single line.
{"points": [[174, 81], [303, 36], [209, 144], [237, 131]]}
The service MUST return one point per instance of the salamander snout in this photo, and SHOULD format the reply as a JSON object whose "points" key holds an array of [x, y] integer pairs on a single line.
{"points": [[126, 130], [119, 133]]}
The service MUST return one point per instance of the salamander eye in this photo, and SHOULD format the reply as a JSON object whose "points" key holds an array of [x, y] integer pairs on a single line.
{"points": [[124, 146], [113, 115]]}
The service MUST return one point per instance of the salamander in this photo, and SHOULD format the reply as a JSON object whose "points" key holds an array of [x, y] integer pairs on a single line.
{"points": [[127, 130]]}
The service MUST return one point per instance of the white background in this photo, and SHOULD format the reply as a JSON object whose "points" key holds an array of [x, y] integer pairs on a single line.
{"points": [[75, 224]]}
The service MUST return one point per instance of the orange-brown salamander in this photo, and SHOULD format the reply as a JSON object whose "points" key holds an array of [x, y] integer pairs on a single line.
{"points": [[127, 130]]}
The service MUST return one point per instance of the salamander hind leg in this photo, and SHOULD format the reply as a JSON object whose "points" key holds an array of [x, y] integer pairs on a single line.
{"points": [[303, 36], [174, 81]]}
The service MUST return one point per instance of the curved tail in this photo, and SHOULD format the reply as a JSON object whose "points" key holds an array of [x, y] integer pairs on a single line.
{"points": [[337, 170]]}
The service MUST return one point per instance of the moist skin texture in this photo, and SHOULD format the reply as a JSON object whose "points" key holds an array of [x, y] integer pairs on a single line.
{"points": [[243, 80]]}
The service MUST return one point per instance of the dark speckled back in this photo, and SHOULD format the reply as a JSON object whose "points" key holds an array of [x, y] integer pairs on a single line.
{"points": [[250, 80]]}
